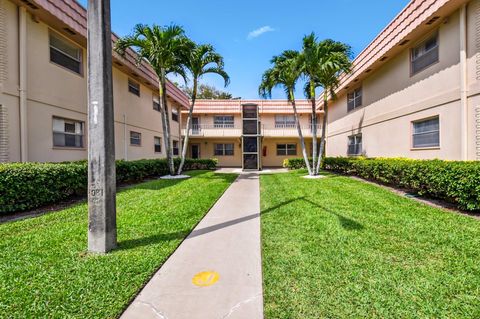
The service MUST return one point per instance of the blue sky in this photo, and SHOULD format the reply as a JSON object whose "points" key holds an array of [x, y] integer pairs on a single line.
{"points": [[248, 32]]}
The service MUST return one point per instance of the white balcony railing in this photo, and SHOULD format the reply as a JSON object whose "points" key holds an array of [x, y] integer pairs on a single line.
{"points": [[214, 130], [288, 130], [231, 130]]}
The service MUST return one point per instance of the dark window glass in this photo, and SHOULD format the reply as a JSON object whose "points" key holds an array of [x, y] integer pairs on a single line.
{"points": [[65, 54], [355, 144], [67, 133], [223, 149], [250, 144], [156, 103], [157, 141], [223, 121], [354, 99], [175, 147], [135, 138], [134, 88], [174, 114], [286, 149], [426, 133], [424, 55]]}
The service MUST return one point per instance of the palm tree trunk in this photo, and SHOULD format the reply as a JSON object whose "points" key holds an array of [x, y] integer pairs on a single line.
{"points": [[321, 154], [189, 124], [300, 134], [162, 91], [314, 133]]}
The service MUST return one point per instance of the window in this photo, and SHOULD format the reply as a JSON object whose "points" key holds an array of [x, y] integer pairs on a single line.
{"points": [[175, 147], [223, 121], [133, 87], [64, 53], [284, 121], [67, 133], [174, 114], [135, 138], [426, 133], [286, 149], [223, 149], [354, 99], [355, 144], [424, 54], [156, 103], [157, 142]]}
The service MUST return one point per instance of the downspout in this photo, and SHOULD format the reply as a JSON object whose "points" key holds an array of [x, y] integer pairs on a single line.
{"points": [[22, 50], [125, 144], [463, 83]]}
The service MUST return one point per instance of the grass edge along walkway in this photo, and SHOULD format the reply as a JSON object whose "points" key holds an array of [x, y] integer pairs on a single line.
{"points": [[338, 247], [46, 272]]}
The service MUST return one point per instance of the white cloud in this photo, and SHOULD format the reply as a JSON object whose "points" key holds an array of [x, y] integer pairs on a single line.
{"points": [[258, 32]]}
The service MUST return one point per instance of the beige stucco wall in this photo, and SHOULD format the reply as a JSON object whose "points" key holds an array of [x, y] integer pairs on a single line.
{"points": [[392, 99], [207, 150], [55, 91]]}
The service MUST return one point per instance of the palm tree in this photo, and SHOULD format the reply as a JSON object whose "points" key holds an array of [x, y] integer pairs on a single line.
{"points": [[200, 60], [285, 73], [322, 63], [164, 48], [336, 59]]}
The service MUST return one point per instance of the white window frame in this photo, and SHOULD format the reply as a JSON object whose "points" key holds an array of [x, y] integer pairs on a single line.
{"points": [[67, 43], [223, 121], [156, 103], [139, 138], [414, 57], [354, 99], [155, 144], [134, 87], [175, 148], [285, 121], [432, 146], [286, 148], [223, 149], [80, 134], [356, 145], [175, 115]]}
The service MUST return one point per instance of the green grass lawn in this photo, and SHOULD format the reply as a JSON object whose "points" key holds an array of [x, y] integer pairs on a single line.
{"points": [[45, 271], [341, 248]]}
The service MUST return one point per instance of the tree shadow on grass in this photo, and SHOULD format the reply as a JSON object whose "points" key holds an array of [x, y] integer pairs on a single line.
{"points": [[345, 222]]}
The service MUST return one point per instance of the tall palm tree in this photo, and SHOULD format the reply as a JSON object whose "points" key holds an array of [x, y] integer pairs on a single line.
{"points": [[164, 48], [335, 60], [200, 60], [285, 72], [322, 63]]}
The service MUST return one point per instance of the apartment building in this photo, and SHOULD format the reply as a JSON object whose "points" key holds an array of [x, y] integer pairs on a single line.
{"points": [[414, 90], [248, 133], [43, 89]]}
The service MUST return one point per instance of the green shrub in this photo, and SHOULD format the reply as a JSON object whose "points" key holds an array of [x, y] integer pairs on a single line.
{"points": [[294, 163], [453, 181], [29, 185]]}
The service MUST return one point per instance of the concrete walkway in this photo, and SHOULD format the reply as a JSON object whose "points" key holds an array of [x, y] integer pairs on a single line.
{"points": [[216, 272]]}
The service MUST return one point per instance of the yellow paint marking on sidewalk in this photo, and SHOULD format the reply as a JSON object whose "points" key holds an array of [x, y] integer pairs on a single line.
{"points": [[205, 278]]}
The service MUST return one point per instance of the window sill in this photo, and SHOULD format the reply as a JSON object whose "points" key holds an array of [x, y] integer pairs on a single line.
{"points": [[69, 148], [425, 148], [135, 145]]}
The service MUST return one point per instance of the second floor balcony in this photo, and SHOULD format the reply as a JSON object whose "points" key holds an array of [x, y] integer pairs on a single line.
{"points": [[235, 130], [289, 130], [214, 130]]}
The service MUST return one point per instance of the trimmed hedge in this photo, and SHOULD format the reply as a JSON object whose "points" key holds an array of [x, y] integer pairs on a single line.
{"points": [[295, 163], [29, 185], [453, 181]]}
